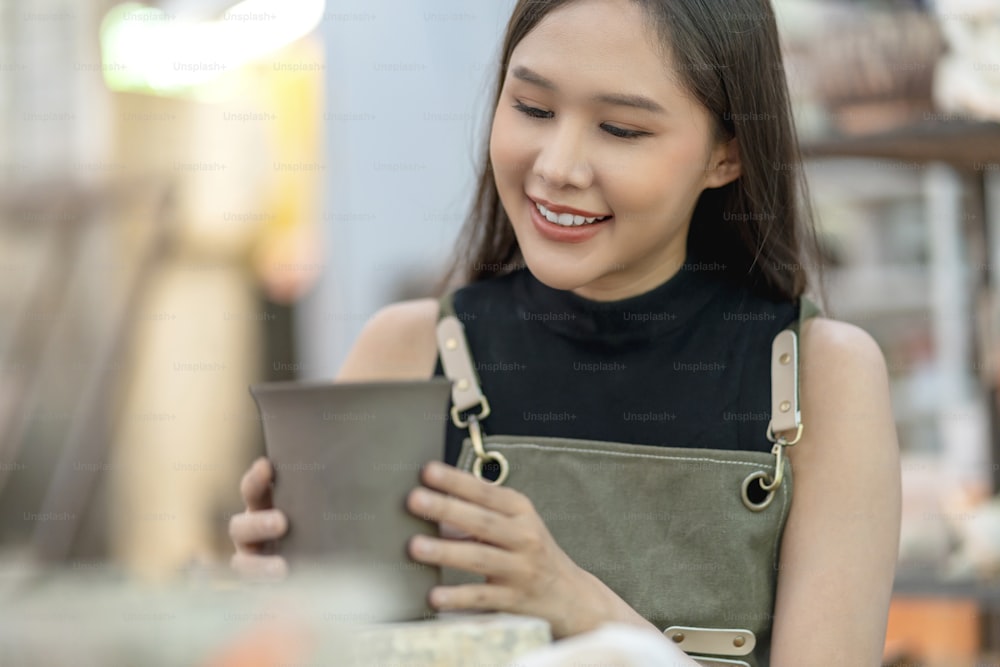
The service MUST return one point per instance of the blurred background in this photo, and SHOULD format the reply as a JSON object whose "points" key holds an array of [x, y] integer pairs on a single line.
{"points": [[197, 195]]}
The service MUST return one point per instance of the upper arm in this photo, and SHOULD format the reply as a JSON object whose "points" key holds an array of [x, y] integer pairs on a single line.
{"points": [[398, 342], [841, 540]]}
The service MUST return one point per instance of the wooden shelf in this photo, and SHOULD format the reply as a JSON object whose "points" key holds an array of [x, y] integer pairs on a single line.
{"points": [[964, 145], [917, 585], [972, 150]]}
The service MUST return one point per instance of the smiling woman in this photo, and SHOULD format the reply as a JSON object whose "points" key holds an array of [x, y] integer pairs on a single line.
{"points": [[637, 370], [574, 132], [689, 75]]}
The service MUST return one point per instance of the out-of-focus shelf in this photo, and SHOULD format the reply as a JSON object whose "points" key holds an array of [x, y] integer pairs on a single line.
{"points": [[927, 585], [963, 144], [959, 204], [908, 285], [915, 415]]}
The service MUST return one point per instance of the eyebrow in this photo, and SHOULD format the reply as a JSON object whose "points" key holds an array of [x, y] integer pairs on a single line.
{"points": [[619, 99]]}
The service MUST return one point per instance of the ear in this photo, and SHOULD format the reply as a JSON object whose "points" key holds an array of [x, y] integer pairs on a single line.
{"points": [[724, 165]]}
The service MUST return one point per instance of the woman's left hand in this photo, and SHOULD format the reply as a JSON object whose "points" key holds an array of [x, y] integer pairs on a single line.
{"points": [[526, 571]]}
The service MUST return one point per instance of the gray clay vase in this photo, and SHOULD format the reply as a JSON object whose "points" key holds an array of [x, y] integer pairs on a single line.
{"points": [[345, 457]]}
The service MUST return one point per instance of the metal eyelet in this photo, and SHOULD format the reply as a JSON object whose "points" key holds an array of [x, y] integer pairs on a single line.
{"points": [[745, 491], [477, 467]]}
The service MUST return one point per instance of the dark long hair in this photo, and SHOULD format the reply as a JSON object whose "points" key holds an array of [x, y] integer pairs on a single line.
{"points": [[728, 56]]}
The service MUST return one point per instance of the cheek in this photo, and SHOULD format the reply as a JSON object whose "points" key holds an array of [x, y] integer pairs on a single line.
{"points": [[507, 154], [671, 176]]}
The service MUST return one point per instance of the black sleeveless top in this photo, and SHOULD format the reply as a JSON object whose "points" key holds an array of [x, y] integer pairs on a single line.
{"points": [[685, 364]]}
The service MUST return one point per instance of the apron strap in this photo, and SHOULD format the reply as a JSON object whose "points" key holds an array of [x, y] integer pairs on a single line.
{"points": [[785, 414], [456, 361]]}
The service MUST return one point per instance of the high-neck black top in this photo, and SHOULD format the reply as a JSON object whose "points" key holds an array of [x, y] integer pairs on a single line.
{"points": [[685, 364]]}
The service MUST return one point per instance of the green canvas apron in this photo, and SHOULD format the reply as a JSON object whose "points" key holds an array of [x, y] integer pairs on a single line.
{"points": [[688, 537]]}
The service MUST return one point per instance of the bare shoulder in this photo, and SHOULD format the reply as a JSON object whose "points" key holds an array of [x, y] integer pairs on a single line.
{"points": [[832, 342], [844, 383], [396, 343]]}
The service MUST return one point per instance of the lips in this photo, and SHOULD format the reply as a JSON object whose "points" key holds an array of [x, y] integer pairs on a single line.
{"points": [[564, 232]]}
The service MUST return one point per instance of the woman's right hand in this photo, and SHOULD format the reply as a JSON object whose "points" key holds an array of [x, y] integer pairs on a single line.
{"points": [[255, 530]]}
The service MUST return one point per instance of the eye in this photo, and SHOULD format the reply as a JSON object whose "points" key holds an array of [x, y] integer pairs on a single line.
{"points": [[624, 134], [532, 111]]}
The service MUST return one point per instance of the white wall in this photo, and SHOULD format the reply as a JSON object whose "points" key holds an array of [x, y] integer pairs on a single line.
{"points": [[408, 90]]}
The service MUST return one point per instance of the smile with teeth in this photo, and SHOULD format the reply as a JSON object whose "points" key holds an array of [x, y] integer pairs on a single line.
{"points": [[567, 219]]}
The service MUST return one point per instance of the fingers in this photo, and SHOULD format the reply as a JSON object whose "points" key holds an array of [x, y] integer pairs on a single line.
{"points": [[251, 528], [459, 518], [470, 556], [459, 483], [478, 597], [451, 532], [261, 568], [255, 487]]}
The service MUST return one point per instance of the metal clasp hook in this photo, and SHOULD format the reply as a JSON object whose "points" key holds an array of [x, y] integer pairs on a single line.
{"points": [[476, 435], [780, 442]]}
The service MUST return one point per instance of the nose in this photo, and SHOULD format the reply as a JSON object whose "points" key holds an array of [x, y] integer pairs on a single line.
{"points": [[562, 159]]}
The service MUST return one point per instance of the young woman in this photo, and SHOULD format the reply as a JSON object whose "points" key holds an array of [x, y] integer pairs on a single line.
{"points": [[635, 245]]}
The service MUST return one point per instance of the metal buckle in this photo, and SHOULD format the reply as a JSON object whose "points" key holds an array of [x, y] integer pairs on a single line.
{"points": [[782, 440], [484, 412]]}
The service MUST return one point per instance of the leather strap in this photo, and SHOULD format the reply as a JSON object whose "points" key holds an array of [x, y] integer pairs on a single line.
{"points": [[455, 358], [716, 641], [785, 413]]}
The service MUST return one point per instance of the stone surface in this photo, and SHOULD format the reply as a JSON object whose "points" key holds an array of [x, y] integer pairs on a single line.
{"points": [[453, 639], [95, 617]]}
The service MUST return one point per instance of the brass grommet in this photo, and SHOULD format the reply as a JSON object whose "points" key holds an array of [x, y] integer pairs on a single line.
{"points": [[477, 467], [785, 406], [451, 343], [739, 641], [463, 384], [785, 358], [678, 637], [745, 492]]}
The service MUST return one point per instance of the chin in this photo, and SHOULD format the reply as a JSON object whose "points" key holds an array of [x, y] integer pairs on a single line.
{"points": [[558, 273]]}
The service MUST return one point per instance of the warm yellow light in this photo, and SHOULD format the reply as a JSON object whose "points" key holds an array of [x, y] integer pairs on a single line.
{"points": [[145, 48]]}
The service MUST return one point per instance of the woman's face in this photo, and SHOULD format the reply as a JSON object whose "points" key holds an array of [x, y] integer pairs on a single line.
{"points": [[591, 118]]}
